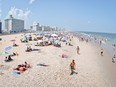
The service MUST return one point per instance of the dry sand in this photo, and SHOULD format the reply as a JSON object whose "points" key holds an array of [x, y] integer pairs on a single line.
{"points": [[90, 65]]}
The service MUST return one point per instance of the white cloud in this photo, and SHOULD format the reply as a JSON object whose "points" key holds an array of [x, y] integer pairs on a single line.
{"points": [[19, 13], [31, 1]]}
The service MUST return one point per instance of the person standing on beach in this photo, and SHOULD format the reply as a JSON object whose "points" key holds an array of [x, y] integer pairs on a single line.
{"points": [[100, 42], [72, 67], [78, 49], [114, 59], [101, 52], [114, 46]]}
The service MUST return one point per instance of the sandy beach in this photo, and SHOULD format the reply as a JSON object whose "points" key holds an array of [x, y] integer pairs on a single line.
{"points": [[93, 69]]}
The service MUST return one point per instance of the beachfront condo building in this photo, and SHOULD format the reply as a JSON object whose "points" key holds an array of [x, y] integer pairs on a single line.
{"points": [[13, 25], [0, 27], [36, 27]]}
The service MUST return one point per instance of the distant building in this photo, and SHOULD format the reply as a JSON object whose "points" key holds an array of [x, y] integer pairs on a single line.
{"points": [[46, 28], [14, 25], [0, 27], [35, 27]]}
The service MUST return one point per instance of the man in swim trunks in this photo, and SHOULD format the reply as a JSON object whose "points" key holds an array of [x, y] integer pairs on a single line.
{"points": [[72, 67]]}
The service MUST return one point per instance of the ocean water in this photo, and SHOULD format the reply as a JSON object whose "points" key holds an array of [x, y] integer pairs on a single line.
{"points": [[111, 37], [108, 40]]}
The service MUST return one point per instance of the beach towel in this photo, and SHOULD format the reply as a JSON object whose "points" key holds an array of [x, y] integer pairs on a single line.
{"points": [[42, 64], [64, 56], [16, 72]]}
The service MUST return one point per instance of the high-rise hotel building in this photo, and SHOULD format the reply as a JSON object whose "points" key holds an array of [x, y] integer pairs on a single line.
{"points": [[14, 25]]}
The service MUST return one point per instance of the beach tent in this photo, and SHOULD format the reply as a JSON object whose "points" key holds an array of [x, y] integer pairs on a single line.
{"points": [[8, 48]]}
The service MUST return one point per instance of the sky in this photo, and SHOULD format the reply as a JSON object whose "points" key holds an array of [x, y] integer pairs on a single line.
{"points": [[74, 15]]}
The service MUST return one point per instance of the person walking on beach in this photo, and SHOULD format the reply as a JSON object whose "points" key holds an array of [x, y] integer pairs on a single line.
{"points": [[78, 49], [114, 59], [72, 67], [114, 46], [101, 52]]}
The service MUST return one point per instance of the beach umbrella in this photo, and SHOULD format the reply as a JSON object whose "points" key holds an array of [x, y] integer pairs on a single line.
{"points": [[8, 48], [4, 53], [54, 35], [57, 41], [39, 41]]}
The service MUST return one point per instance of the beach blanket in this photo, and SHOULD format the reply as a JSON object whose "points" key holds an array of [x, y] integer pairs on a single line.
{"points": [[42, 64], [16, 72], [64, 56]]}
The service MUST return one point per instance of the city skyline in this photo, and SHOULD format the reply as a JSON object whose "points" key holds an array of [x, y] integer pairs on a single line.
{"points": [[76, 15]]}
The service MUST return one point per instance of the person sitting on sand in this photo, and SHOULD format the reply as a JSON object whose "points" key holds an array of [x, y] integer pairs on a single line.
{"points": [[18, 68], [6, 59], [27, 65], [37, 44], [9, 58], [114, 59], [72, 67], [14, 44], [14, 53], [30, 48]]}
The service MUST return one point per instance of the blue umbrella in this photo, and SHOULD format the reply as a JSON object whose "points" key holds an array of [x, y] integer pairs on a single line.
{"points": [[8, 48]]}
